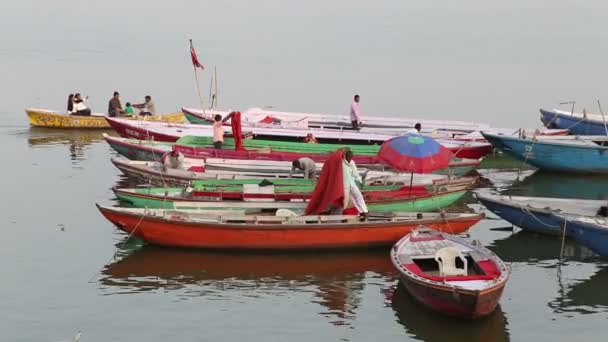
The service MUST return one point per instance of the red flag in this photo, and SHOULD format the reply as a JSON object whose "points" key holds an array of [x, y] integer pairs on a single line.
{"points": [[195, 61]]}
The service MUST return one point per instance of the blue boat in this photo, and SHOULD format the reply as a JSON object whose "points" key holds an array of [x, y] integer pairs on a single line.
{"points": [[562, 154], [577, 123], [515, 209], [550, 216], [589, 231]]}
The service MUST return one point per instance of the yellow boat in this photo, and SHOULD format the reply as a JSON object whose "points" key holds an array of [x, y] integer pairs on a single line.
{"points": [[55, 119]]}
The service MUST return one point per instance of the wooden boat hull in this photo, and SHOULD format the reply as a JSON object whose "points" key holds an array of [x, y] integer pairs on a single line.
{"points": [[458, 302], [150, 172], [558, 156], [590, 233], [576, 124], [474, 294], [174, 233], [551, 219], [542, 222], [422, 204], [340, 121], [148, 150], [467, 150], [46, 118]]}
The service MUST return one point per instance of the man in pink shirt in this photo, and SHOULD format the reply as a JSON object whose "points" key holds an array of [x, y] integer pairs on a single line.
{"points": [[355, 113]]}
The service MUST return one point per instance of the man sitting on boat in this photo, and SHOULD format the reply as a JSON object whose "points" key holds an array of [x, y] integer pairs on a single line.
{"points": [[79, 107], [173, 160], [307, 165], [146, 108], [114, 106], [310, 139]]}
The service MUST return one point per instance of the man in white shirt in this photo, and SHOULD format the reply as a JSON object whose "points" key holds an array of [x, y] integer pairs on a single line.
{"points": [[351, 190], [146, 108], [355, 113]]}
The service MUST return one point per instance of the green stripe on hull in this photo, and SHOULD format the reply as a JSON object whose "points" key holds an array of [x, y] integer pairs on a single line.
{"points": [[195, 141], [195, 119], [419, 205]]}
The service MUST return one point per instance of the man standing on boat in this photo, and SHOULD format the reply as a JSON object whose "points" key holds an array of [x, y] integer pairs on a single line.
{"points": [[355, 113], [307, 165], [351, 189]]}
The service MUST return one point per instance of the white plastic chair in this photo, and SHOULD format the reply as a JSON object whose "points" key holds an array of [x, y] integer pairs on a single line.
{"points": [[446, 258], [285, 212]]}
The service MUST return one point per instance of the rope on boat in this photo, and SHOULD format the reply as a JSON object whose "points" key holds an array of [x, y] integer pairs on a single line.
{"points": [[124, 244], [561, 250]]}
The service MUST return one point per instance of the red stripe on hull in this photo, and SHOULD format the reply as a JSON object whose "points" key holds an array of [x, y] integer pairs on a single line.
{"points": [[133, 132]]}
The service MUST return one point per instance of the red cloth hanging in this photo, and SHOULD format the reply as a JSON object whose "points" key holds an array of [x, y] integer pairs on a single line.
{"points": [[267, 120], [236, 131], [330, 186]]}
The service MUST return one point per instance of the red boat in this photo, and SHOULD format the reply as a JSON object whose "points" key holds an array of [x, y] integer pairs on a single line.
{"points": [[172, 133], [448, 274], [200, 229]]}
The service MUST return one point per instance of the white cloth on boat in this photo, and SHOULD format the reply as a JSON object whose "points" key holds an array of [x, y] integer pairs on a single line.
{"points": [[351, 190]]}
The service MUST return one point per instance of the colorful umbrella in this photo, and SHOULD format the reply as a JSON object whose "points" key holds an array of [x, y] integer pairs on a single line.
{"points": [[414, 153]]}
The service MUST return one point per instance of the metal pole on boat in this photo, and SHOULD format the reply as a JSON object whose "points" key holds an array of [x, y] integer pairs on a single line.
{"points": [[215, 95], [411, 183], [211, 97], [603, 117]]}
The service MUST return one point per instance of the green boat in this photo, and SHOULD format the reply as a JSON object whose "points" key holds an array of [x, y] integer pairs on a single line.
{"points": [[293, 197]]}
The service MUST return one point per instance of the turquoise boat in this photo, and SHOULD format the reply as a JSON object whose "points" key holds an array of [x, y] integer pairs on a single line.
{"points": [[560, 154]]}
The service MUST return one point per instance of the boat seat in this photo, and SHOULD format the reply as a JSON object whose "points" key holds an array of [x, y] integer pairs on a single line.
{"points": [[446, 258]]}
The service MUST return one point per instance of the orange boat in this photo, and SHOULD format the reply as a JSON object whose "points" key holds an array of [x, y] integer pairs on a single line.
{"points": [[221, 230]]}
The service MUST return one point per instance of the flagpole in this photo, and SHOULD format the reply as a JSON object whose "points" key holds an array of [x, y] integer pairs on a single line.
{"points": [[198, 87]]}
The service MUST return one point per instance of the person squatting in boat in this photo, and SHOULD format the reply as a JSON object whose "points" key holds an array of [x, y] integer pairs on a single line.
{"points": [[306, 165], [173, 160]]}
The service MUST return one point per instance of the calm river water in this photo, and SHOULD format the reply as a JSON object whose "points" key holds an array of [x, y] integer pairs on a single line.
{"points": [[66, 269]]}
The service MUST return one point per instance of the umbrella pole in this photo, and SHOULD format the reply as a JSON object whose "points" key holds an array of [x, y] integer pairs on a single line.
{"points": [[411, 183]]}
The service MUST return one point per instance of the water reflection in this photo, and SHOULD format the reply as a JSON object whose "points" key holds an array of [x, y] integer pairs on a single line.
{"points": [[547, 184], [335, 280], [427, 325], [583, 296], [532, 248], [51, 136], [76, 140]]}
